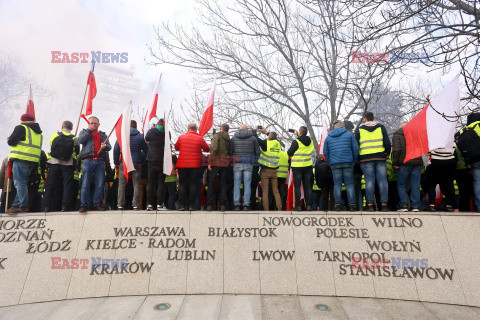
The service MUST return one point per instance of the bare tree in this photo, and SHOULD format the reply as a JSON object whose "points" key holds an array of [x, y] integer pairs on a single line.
{"points": [[442, 32], [280, 63]]}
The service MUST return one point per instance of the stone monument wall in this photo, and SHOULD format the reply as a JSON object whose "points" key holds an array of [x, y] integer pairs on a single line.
{"points": [[423, 257]]}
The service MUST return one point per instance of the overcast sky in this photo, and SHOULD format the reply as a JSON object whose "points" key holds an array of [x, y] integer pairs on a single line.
{"points": [[31, 29]]}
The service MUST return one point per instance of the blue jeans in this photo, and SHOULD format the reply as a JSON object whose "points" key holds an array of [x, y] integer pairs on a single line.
{"points": [[343, 173], [316, 200], [242, 170], [92, 169], [21, 173], [476, 182], [414, 173], [375, 171]]}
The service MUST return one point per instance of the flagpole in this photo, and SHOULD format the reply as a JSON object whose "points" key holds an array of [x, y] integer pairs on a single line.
{"points": [[108, 137], [8, 192], [83, 102]]}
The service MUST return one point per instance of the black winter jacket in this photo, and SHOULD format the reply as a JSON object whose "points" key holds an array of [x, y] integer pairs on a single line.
{"points": [[244, 147], [156, 144]]}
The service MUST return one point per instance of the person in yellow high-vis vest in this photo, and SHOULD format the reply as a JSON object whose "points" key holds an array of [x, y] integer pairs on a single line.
{"points": [[473, 124], [375, 148], [301, 151], [60, 168], [26, 142], [269, 163]]}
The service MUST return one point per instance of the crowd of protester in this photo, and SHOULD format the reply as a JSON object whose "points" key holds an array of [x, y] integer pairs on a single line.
{"points": [[359, 169]]}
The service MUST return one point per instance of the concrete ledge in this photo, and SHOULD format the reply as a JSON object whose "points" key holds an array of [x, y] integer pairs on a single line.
{"points": [[254, 307], [53, 256]]}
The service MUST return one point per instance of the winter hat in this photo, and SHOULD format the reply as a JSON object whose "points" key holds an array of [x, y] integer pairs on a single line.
{"points": [[473, 117], [27, 117]]}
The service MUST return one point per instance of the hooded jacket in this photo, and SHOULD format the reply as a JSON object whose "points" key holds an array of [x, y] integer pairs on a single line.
{"points": [[219, 149], [340, 147], [372, 126], [294, 146], [19, 134], [138, 148], [399, 150], [156, 144], [244, 147], [190, 146]]}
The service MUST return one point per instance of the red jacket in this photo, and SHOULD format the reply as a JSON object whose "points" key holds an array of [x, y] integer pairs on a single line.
{"points": [[190, 146]]}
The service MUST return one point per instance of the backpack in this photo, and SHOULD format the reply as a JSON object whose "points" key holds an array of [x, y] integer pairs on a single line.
{"points": [[62, 147], [323, 175], [468, 142]]}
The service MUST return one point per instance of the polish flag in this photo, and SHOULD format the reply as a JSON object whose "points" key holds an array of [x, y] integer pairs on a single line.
{"points": [[207, 118], [290, 192], [30, 108], [167, 150], [152, 108], [323, 136], [434, 126], [92, 91], [122, 131]]}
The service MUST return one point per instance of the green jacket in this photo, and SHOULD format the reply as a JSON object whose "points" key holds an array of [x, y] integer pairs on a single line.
{"points": [[219, 149]]}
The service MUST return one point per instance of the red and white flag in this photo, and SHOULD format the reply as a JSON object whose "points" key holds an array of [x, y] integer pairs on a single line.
{"points": [[290, 191], [167, 150], [152, 108], [122, 131], [30, 108], [92, 91], [207, 118], [323, 136], [434, 126]]}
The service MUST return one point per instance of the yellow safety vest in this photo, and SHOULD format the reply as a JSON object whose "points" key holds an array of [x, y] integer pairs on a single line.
{"points": [[172, 178], [41, 185], [371, 142], [315, 187], [270, 157], [282, 171], [29, 149], [303, 156]]}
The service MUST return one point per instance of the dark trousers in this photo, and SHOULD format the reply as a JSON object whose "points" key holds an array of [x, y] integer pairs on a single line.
{"points": [[441, 172], [188, 186], [283, 192], [171, 188], [156, 177], [222, 175], [58, 172], [465, 187], [303, 174], [327, 198]]}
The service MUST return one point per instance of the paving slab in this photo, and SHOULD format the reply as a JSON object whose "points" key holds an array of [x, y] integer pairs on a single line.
{"points": [[148, 312], [240, 307], [276, 307], [311, 312], [205, 307]]}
